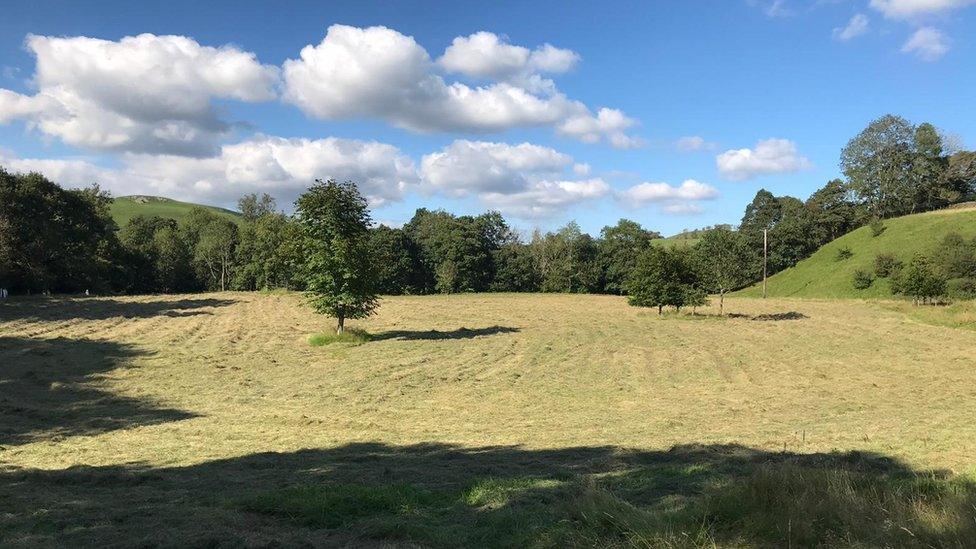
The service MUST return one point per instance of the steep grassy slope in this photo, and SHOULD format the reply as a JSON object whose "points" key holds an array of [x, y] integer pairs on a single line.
{"points": [[125, 208], [822, 275]]}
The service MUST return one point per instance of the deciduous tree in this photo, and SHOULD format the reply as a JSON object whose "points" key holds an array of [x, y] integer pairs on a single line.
{"points": [[334, 222]]}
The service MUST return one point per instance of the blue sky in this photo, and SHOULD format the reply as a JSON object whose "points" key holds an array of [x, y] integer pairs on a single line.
{"points": [[705, 102]]}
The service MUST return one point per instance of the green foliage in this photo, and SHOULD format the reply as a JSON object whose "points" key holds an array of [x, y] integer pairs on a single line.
{"points": [[396, 258], [877, 226], [833, 212], [843, 254], [567, 261], [55, 240], [620, 245], [664, 277], [334, 225], [955, 256], [514, 269], [862, 280], [214, 247], [172, 266], [896, 168], [791, 228], [961, 176], [455, 253], [722, 259], [920, 281], [268, 252], [886, 265], [961, 288]]}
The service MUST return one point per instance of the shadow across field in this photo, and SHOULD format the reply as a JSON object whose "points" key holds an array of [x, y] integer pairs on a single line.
{"points": [[50, 388], [46, 309], [460, 333], [444, 495]]}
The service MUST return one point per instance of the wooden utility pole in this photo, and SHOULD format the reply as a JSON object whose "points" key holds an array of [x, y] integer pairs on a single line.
{"points": [[765, 255]]}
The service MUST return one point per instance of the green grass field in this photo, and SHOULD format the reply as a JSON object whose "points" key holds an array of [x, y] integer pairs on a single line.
{"points": [[485, 420], [124, 208], [822, 276]]}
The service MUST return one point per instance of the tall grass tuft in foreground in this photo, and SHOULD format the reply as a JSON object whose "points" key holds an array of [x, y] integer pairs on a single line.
{"points": [[351, 336], [790, 505]]}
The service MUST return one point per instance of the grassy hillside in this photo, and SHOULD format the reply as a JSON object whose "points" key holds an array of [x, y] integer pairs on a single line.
{"points": [[678, 240], [474, 420], [125, 208], [822, 275]]}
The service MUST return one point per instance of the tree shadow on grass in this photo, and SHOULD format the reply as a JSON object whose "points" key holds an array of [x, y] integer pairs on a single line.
{"points": [[51, 388], [770, 317], [46, 309], [460, 333], [445, 495]]}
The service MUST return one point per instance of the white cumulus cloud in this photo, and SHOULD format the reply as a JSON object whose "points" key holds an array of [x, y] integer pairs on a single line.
{"points": [[524, 180], [693, 143], [378, 72], [681, 199], [770, 156], [857, 26], [486, 55], [281, 167], [146, 93], [470, 167], [682, 208], [659, 192], [547, 198], [907, 9], [927, 43]]}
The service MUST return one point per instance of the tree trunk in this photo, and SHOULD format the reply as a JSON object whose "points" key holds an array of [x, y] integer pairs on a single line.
{"points": [[721, 303], [342, 324], [660, 309]]}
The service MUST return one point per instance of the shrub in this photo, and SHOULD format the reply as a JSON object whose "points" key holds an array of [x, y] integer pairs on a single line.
{"points": [[886, 265], [844, 253], [920, 281], [877, 227], [862, 280], [956, 257], [961, 288]]}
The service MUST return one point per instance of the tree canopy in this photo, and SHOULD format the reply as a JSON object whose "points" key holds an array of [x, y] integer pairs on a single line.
{"points": [[334, 221]]}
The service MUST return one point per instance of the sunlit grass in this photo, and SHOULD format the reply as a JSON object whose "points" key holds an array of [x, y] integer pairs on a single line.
{"points": [[351, 336], [477, 420], [822, 276]]}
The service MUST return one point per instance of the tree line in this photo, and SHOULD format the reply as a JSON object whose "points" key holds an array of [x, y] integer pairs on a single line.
{"points": [[65, 241]]}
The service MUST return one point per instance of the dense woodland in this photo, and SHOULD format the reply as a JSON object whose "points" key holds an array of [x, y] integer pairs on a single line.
{"points": [[64, 241]]}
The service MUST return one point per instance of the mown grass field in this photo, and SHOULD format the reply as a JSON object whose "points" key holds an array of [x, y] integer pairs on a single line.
{"points": [[484, 420], [822, 276], [124, 208]]}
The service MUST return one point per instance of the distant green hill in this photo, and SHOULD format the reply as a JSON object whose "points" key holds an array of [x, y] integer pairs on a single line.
{"points": [[125, 208], [822, 276], [676, 241]]}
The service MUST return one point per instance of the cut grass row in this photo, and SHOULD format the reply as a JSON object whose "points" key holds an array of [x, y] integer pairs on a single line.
{"points": [[478, 420]]}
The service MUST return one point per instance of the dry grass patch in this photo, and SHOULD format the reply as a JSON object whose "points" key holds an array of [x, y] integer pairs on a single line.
{"points": [[149, 420]]}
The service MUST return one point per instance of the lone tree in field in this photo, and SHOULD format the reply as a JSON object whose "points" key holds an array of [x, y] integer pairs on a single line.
{"points": [[334, 224], [723, 259], [664, 277]]}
